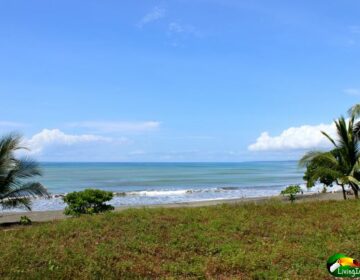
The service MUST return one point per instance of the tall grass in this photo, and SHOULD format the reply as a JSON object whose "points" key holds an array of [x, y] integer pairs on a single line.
{"points": [[248, 241]]}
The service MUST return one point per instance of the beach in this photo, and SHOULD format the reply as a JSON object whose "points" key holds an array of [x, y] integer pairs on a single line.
{"points": [[45, 216], [179, 140], [138, 184], [153, 185]]}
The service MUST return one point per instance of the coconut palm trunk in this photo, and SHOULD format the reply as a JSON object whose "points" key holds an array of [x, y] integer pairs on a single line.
{"points": [[343, 191], [355, 189]]}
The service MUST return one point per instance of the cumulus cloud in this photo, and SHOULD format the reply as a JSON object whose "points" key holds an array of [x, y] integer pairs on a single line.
{"points": [[123, 127], [155, 14], [295, 138], [49, 137]]}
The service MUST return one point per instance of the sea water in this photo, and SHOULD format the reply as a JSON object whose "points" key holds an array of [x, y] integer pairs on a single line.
{"points": [[161, 183]]}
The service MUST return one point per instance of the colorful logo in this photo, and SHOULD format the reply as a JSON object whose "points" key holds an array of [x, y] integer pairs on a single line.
{"points": [[340, 265]]}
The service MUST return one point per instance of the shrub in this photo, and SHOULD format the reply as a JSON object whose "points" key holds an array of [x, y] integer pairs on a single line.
{"points": [[89, 201], [24, 220], [292, 191]]}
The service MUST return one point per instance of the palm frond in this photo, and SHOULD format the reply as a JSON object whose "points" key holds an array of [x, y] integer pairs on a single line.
{"points": [[32, 189], [326, 159], [342, 132], [15, 189], [356, 130], [353, 180], [342, 163], [308, 157], [323, 172], [329, 138], [354, 111], [25, 168], [356, 168], [8, 146], [22, 169], [17, 202]]}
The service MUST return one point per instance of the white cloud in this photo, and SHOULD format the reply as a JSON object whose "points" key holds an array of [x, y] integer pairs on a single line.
{"points": [[352, 91], [118, 126], [48, 137], [295, 138], [155, 14], [177, 28], [178, 33]]}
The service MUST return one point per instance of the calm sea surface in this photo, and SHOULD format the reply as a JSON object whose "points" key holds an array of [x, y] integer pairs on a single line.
{"points": [[154, 183]]}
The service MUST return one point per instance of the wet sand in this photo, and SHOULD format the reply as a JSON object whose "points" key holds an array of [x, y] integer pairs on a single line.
{"points": [[44, 216]]}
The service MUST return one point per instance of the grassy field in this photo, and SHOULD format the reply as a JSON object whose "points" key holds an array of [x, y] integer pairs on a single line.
{"points": [[267, 241]]}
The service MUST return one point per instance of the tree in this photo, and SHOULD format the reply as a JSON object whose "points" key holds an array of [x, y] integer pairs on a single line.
{"points": [[292, 191], [324, 178], [340, 165], [89, 201], [15, 188], [324, 167], [354, 112]]}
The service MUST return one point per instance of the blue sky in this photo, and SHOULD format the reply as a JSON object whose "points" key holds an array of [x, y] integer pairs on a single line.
{"points": [[199, 80]]}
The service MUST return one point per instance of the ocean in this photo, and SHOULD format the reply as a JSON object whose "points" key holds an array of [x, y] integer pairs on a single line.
{"points": [[160, 183]]}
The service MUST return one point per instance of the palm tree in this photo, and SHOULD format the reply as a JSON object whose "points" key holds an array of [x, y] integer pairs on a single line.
{"points": [[15, 188], [354, 112], [342, 164]]}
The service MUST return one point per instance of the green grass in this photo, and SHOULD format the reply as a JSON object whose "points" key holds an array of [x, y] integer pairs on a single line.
{"points": [[268, 241]]}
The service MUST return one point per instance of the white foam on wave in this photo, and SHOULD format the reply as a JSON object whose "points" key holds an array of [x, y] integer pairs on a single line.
{"points": [[319, 188], [160, 193]]}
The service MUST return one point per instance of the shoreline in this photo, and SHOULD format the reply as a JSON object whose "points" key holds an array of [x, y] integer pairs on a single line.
{"points": [[47, 216]]}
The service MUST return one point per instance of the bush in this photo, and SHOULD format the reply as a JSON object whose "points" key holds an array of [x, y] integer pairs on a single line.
{"points": [[24, 220], [89, 201], [292, 191]]}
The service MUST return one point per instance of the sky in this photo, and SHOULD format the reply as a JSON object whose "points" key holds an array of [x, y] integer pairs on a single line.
{"points": [[199, 80]]}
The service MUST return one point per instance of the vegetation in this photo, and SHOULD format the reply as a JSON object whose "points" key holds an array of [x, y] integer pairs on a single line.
{"points": [[15, 187], [250, 241], [24, 220], [292, 191], [325, 178], [341, 165], [89, 201]]}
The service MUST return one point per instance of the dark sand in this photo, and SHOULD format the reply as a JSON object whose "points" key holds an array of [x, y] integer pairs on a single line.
{"points": [[43, 216]]}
